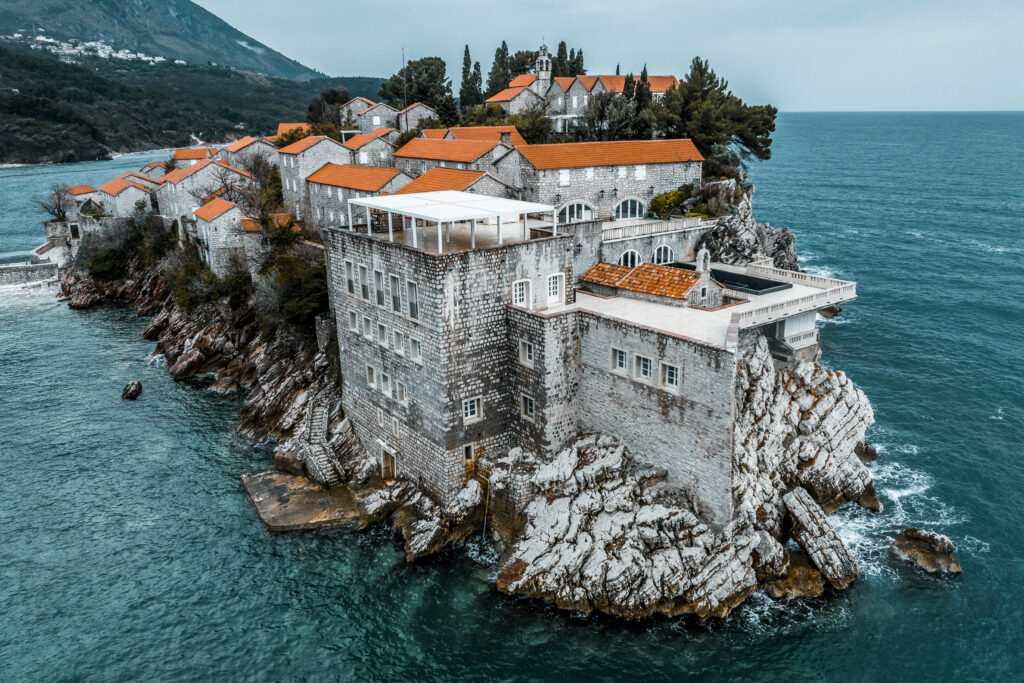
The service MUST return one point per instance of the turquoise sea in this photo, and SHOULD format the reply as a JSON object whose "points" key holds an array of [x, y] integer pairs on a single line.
{"points": [[128, 550]]}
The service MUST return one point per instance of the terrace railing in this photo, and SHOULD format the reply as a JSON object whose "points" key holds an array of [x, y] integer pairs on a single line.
{"points": [[768, 313], [655, 227]]}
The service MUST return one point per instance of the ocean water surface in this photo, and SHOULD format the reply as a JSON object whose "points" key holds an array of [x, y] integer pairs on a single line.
{"points": [[129, 551]]}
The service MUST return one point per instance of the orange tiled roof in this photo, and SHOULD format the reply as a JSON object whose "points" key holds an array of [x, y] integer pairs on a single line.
{"points": [[434, 133], [221, 162], [564, 81], [445, 150], [283, 128], [487, 133], [357, 141], [362, 99], [239, 145], [658, 83], [79, 189], [351, 176], [153, 164], [303, 144], [442, 179], [416, 104], [507, 95], [378, 104], [121, 183], [613, 153], [213, 208], [188, 153], [522, 81], [279, 219], [587, 81], [646, 278]]}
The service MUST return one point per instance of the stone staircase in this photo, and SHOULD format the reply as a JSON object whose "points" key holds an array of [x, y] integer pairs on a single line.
{"points": [[320, 463]]}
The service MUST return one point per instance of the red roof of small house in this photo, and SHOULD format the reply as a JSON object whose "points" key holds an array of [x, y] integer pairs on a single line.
{"points": [[378, 104], [279, 219], [239, 145], [221, 162], [658, 84], [361, 99], [189, 153], [213, 208], [564, 81], [180, 174], [587, 81], [121, 183], [153, 164], [304, 144], [357, 141], [353, 177], [508, 94], [522, 81], [612, 153], [442, 179], [446, 150], [487, 133], [79, 189], [417, 104], [434, 133], [283, 128], [646, 278]]}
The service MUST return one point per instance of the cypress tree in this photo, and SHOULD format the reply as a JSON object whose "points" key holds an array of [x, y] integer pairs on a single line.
{"points": [[577, 67], [628, 87], [560, 64], [468, 95], [501, 74]]}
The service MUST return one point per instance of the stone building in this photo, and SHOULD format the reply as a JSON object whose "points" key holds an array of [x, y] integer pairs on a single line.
{"points": [[413, 116], [124, 194], [601, 180], [374, 148], [516, 100], [506, 135], [351, 109], [299, 159], [219, 236], [154, 169], [185, 190], [241, 152], [331, 188], [380, 115], [480, 182], [283, 128], [459, 342], [422, 154]]}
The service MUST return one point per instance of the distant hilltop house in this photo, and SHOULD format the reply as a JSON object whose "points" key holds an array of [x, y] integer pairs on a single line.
{"points": [[366, 116], [565, 99]]}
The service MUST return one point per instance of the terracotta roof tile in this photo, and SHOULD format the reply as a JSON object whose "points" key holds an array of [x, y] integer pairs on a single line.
{"points": [[188, 153], [361, 99], [351, 176], [522, 81], [283, 128], [239, 145], [647, 278], [153, 164], [507, 95], [221, 162], [378, 104], [613, 153], [442, 179], [434, 133], [564, 81], [357, 141], [213, 208], [279, 219], [587, 81], [658, 84], [417, 104], [487, 133], [122, 183], [79, 189], [446, 150], [304, 144]]}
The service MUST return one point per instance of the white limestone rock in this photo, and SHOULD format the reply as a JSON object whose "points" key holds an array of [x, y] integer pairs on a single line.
{"points": [[817, 537]]}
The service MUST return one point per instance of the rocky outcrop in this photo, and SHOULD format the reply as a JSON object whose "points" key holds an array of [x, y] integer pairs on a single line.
{"points": [[132, 390], [812, 530], [739, 239], [931, 551]]}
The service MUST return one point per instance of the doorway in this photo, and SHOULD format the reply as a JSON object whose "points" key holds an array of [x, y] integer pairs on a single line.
{"points": [[388, 465]]}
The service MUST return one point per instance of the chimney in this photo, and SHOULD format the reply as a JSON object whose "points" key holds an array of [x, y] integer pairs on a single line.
{"points": [[506, 138]]}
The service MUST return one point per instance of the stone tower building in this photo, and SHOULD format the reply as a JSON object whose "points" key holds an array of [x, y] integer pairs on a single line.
{"points": [[543, 68]]}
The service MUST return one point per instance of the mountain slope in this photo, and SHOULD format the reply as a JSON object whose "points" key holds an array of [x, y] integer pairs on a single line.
{"points": [[175, 29]]}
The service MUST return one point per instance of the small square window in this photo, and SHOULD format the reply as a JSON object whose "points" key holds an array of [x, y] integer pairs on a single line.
{"points": [[527, 406], [521, 293], [371, 376], [670, 376], [590, 173], [640, 172], [525, 353], [353, 321], [563, 177], [643, 367], [619, 360], [394, 426], [471, 409], [622, 171], [415, 350]]}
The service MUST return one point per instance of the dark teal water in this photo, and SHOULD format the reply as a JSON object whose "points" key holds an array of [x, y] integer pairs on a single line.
{"points": [[128, 550]]}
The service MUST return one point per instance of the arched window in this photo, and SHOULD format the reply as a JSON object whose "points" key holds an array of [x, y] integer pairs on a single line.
{"points": [[629, 208], [575, 212], [630, 258], [662, 255]]}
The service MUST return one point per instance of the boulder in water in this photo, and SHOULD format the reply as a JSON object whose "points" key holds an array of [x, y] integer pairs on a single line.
{"points": [[931, 551], [132, 390]]}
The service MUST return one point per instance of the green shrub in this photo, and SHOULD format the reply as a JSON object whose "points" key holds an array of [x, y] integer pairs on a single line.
{"points": [[667, 202], [108, 264]]}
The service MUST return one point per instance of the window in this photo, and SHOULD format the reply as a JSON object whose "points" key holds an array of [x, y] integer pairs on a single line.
{"points": [[467, 452], [574, 101], [396, 294], [563, 177], [630, 258], [590, 173], [400, 392], [669, 376], [371, 376], [643, 368], [521, 293], [526, 407], [555, 288], [663, 255], [385, 384], [415, 350], [394, 426], [367, 328], [629, 208], [703, 293], [331, 214], [526, 353], [471, 409], [353, 321], [364, 282], [577, 211], [350, 277], [640, 172], [399, 343], [414, 300], [619, 359], [364, 158], [382, 335], [622, 171], [378, 284]]}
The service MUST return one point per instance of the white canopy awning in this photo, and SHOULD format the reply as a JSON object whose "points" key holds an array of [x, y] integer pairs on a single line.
{"points": [[446, 206]]}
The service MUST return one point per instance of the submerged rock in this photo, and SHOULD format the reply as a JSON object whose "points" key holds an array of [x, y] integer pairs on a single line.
{"points": [[931, 551], [801, 580], [132, 390]]}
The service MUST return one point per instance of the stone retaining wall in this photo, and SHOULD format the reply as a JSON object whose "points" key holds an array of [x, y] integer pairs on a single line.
{"points": [[20, 273]]}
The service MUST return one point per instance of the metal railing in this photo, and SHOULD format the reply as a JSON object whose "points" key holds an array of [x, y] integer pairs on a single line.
{"points": [[762, 315], [655, 228], [819, 281]]}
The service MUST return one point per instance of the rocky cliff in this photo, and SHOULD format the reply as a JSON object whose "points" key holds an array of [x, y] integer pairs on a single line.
{"points": [[739, 239]]}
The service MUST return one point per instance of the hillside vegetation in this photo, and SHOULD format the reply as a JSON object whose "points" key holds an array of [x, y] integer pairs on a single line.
{"points": [[70, 112]]}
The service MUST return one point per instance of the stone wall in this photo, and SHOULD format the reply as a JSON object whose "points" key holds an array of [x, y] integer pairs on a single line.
{"points": [[295, 168], [683, 244], [20, 273], [382, 116], [376, 152], [689, 431], [328, 204]]}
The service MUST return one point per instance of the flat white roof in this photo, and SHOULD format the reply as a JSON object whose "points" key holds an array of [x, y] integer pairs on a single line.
{"points": [[445, 206]]}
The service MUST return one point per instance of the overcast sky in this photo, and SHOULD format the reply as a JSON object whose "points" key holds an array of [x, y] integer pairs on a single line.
{"points": [[800, 55]]}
